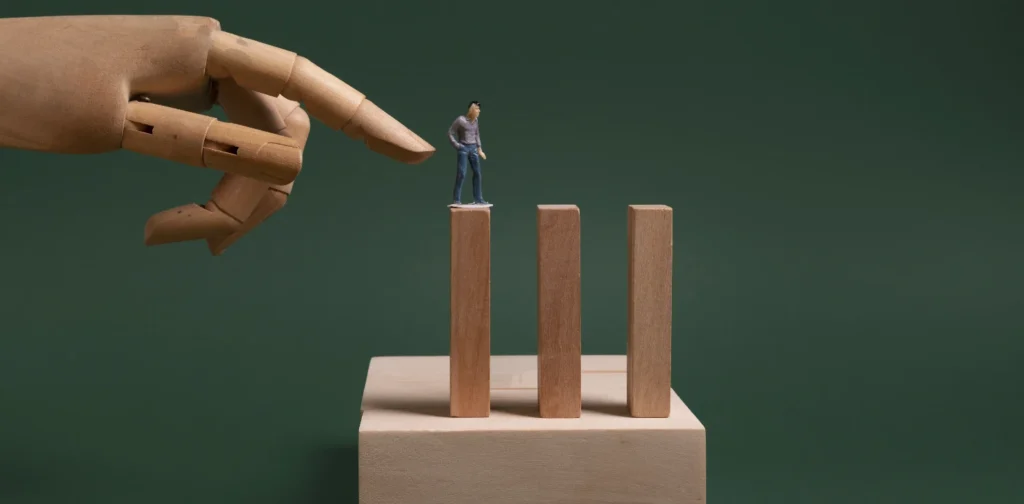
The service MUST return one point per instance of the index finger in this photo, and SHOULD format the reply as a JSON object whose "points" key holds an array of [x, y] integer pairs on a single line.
{"points": [[276, 72]]}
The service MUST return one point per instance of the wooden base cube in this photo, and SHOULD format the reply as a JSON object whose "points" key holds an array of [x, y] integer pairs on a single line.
{"points": [[411, 451]]}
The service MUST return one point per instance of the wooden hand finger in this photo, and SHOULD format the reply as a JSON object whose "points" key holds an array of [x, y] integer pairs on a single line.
{"points": [[277, 72], [187, 222], [250, 203], [203, 141], [243, 201]]}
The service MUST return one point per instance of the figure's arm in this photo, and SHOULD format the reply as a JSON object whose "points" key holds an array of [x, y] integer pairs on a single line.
{"points": [[451, 134], [479, 143]]}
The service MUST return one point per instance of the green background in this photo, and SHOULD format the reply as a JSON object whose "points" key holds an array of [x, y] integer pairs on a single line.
{"points": [[846, 183]]}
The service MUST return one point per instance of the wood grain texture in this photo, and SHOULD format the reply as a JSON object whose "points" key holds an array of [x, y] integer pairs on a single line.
{"points": [[470, 312], [649, 346], [410, 451], [558, 311]]}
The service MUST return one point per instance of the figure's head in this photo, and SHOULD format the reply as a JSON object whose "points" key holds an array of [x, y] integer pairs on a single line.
{"points": [[474, 110]]}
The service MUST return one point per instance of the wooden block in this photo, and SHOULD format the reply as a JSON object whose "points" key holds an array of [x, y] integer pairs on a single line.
{"points": [[470, 321], [411, 451], [558, 311], [649, 347]]}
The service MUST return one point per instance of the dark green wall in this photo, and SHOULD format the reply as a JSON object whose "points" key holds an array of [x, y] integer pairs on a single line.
{"points": [[846, 184]]}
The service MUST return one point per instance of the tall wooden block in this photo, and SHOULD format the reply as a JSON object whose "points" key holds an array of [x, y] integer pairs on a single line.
{"points": [[470, 373], [649, 347], [558, 311]]}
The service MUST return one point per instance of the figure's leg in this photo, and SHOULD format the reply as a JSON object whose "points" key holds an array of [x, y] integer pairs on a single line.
{"points": [[478, 191], [460, 175]]}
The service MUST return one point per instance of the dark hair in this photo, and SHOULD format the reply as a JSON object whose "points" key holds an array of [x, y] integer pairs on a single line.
{"points": [[474, 102]]}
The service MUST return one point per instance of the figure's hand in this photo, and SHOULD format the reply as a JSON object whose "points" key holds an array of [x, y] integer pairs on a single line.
{"points": [[481, 153], [92, 84]]}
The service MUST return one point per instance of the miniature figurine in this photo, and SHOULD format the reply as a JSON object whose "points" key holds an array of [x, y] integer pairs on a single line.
{"points": [[92, 84], [464, 135]]}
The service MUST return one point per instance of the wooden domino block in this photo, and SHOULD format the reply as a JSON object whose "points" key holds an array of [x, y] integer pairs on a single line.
{"points": [[649, 346], [470, 321], [558, 311]]}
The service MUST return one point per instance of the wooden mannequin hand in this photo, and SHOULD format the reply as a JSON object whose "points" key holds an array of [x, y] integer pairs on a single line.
{"points": [[92, 84]]}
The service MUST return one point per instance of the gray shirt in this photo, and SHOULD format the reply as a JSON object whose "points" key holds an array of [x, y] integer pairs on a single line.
{"points": [[464, 131]]}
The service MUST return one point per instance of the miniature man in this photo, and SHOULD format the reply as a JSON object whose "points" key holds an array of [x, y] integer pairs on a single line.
{"points": [[464, 136]]}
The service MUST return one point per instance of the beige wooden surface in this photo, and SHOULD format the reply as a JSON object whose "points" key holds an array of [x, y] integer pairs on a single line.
{"points": [[412, 452]]}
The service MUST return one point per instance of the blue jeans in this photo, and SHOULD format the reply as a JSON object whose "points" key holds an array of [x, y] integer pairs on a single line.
{"points": [[468, 152]]}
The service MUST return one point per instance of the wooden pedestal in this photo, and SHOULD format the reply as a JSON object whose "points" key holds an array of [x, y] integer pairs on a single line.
{"points": [[411, 451]]}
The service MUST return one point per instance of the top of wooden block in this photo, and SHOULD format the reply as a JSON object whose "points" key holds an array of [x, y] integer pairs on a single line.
{"points": [[411, 394], [650, 207], [558, 207]]}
